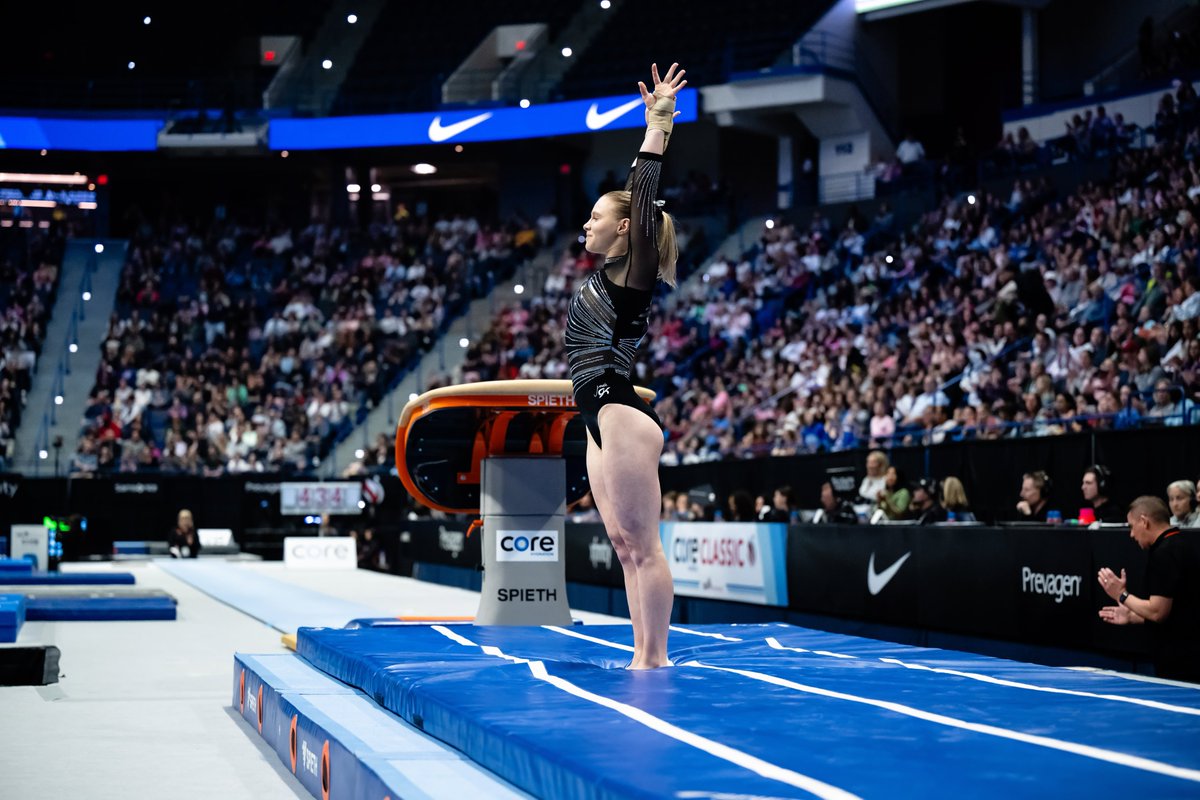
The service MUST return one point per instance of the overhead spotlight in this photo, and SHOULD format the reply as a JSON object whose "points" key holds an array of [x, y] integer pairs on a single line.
{"points": [[362, 504], [99, 247], [582, 238], [412, 396], [284, 154], [424, 169], [145, 20], [359, 453], [770, 224], [327, 64], [375, 187], [353, 188], [567, 52], [87, 296], [606, 4], [888, 259], [519, 289], [458, 148], [43, 152], [58, 399], [74, 348], [43, 454], [971, 199], [352, 18], [464, 342], [131, 64], [524, 102], [91, 187]]}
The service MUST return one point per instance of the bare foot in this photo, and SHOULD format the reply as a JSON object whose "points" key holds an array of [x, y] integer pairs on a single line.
{"points": [[651, 665]]}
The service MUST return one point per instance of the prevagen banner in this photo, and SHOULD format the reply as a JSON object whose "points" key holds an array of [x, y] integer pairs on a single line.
{"points": [[741, 561], [471, 125]]}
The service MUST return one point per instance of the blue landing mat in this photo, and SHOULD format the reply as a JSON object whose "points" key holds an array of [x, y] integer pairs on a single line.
{"points": [[283, 606], [12, 616], [10, 565], [95, 609], [770, 710], [66, 578], [341, 744]]}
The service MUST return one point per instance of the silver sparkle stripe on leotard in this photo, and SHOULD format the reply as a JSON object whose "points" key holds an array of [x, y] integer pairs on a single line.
{"points": [[592, 348]]}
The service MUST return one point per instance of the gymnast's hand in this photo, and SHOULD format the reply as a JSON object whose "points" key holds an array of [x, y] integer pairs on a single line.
{"points": [[665, 87]]}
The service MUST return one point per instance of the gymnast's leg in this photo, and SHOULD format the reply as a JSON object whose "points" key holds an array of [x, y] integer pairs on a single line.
{"points": [[595, 468], [632, 446]]}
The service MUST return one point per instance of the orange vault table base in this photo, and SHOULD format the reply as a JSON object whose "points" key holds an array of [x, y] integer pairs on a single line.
{"points": [[515, 453]]}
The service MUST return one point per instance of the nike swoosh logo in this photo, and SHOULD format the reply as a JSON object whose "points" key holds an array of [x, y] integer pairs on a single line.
{"points": [[597, 120], [877, 580], [440, 133]]}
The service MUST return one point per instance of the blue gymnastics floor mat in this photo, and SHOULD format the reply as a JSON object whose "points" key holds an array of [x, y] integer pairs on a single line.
{"points": [[66, 579], [95, 609], [341, 744], [12, 616], [768, 710]]}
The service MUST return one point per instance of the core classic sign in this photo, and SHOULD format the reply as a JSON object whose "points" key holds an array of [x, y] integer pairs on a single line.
{"points": [[319, 552]]}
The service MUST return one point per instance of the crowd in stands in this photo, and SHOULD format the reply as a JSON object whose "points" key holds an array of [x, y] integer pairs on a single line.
{"points": [[239, 350], [30, 259], [1031, 313], [1089, 134], [884, 496]]}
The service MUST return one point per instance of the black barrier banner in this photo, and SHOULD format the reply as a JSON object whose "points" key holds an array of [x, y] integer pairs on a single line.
{"points": [[442, 542], [963, 581], [865, 573], [591, 558], [1028, 584]]}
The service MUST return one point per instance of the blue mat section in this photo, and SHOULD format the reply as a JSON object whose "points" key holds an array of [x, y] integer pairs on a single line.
{"points": [[770, 710], [339, 743], [131, 548], [66, 579], [12, 616], [10, 565], [64, 609], [283, 606]]}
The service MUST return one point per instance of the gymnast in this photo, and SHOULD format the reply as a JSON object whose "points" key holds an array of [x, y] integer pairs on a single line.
{"points": [[606, 322]]}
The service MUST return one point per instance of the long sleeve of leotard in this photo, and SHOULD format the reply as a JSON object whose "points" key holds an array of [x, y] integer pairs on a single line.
{"points": [[644, 221]]}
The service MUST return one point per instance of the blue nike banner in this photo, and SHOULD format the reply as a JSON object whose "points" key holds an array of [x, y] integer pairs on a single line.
{"points": [[471, 125], [98, 134], [740, 561], [94, 135]]}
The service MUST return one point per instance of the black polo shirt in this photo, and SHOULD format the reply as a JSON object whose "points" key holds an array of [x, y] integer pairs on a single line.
{"points": [[1173, 570]]}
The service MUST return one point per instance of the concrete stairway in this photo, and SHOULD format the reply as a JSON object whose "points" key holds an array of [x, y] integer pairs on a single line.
{"points": [[66, 374]]}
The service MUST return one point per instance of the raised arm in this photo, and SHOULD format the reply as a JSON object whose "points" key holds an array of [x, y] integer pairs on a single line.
{"points": [[644, 179]]}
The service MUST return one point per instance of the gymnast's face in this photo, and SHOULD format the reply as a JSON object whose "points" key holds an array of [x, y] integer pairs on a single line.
{"points": [[604, 228]]}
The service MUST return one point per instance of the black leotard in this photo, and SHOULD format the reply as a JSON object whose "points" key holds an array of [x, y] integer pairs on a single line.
{"points": [[609, 314]]}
